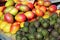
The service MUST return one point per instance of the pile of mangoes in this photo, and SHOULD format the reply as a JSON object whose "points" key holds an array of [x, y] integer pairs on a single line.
{"points": [[38, 20]]}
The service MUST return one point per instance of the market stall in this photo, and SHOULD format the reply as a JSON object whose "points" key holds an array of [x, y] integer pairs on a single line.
{"points": [[29, 19]]}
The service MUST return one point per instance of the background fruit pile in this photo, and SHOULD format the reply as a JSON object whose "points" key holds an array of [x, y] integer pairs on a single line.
{"points": [[30, 21]]}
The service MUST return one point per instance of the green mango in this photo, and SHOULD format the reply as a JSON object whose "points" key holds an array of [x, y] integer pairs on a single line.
{"points": [[47, 38], [41, 20], [31, 24], [56, 26], [9, 0], [54, 16], [39, 29], [32, 29], [45, 25], [31, 37], [2, 17], [54, 33], [39, 36], [18, 37], [58, 30], [3, 24], [52, 22], [36, 24], [45, 33], [8, 9], [53, 38], [24, 38], [24, 8], [58, 20], [24, 29], [58, 38], [14, 11], [9, 3]]}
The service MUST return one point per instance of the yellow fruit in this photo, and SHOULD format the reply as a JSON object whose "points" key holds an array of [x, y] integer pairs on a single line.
{"points": [[1, 13], [24, 2], [58, 12], [0, 22], [1, 8], [7, 28], [16, 1], [46, 16], [2, 25], [22, 24]]}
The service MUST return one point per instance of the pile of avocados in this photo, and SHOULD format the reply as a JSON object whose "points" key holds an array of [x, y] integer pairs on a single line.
{"points": [[41, 29]]}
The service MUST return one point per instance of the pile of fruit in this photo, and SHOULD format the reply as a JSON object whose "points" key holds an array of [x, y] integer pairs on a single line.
{"points": [[30, 21]]}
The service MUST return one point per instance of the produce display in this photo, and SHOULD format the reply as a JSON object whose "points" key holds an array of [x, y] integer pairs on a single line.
{"points": [[38, 20]]}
